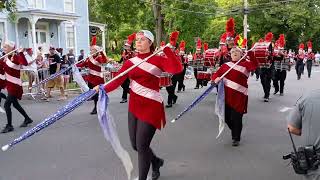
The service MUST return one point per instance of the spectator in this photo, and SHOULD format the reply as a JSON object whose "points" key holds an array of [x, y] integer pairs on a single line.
{"points": [[81, 55], [64, 65], [304, 121], [31, 67]]}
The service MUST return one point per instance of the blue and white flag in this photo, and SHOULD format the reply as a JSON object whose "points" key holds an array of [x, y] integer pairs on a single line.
{"points": [[79, 79], [220, 107], [110, 131]]}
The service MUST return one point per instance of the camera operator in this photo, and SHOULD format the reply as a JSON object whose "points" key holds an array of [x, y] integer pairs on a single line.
{"points": [[304, 121]]}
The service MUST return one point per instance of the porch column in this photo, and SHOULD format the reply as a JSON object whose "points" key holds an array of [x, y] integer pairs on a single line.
{"points": [[33, 20], [59, 35], [16, 33], [103, 39]]}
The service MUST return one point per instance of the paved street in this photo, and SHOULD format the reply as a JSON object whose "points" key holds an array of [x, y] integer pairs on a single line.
{"points": [[75, 149]]}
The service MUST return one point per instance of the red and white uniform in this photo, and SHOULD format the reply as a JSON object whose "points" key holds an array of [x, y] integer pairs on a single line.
{"points": [[2, 75], [311, 56], [94, 63], [236, 83], [145, 101], [12, 67]]}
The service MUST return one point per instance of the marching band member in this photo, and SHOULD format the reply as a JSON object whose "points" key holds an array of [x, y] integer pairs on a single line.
{"points": [[172, 97], [266, 72], [127, 54], [184, 61], [146, 111], [197, 58], [281, 66], [94, 63], [12, 66], [2, 82], [299, 61], [236, 91], [310, 58]]}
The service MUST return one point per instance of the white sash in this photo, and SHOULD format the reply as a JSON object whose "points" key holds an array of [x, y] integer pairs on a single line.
{"points": [[146, 92], [148, 67]]}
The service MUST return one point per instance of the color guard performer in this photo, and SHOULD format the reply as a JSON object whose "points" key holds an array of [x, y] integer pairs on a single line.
{"points": [[236, 91], [146, 111], [227, 42], [94, 63], [12, 66], [127, 54], [310, 58]]}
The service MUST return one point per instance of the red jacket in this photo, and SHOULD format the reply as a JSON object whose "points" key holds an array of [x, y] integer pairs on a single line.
{"points": [[12, 66], [236, 83], [94, 64], [2, 76], [145, 100]]}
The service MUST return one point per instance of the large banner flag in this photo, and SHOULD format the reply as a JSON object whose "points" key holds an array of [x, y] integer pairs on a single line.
{"points": [[220, 107], [110, 132], [79, 79]]}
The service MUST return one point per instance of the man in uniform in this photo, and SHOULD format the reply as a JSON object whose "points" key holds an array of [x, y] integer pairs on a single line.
{"points": [[184, 61], [299, 61], [310, 58], [197, 58], [281, 65], [127, 54], [266, 71]]}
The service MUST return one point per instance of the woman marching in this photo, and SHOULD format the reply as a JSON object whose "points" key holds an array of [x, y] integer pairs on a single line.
{"points": [[12, 65], [94, 63], [299, 61], [146, 108], [236, 91]]}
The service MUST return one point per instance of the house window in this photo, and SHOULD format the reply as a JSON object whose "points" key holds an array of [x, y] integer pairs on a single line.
{"points": [[70, 36], [69, 6], [36, 4]]}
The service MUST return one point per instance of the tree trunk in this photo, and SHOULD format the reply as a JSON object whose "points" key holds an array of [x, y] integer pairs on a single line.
{"points": [[158, 21]]}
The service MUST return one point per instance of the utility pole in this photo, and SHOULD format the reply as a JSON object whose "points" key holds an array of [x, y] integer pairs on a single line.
{"points": [[245, 19]]}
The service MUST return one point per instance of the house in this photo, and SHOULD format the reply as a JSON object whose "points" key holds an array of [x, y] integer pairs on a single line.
{"points": [[45, 23]]}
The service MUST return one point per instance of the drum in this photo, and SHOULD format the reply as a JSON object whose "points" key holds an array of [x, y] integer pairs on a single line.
{"points": [[165, 80], [261, 53], [282, 65], [210, 57], [203, 75]]}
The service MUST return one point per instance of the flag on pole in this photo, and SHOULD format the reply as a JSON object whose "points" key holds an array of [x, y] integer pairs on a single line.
{"points": [[110, 132], [220, 107], [79, 79]]}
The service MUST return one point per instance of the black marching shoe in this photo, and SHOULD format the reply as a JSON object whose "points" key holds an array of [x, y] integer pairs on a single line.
{"points": [[235, 143], [275, 92], [156, 168], [266, 99], [123, 101], [94, 111], [174, 99], [7, 129], [26, 122], [281, 94], [168, 105], [183, 88], [196, 88]]}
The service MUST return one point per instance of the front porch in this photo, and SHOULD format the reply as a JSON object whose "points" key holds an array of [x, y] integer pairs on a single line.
{"points": [[36, 28]]}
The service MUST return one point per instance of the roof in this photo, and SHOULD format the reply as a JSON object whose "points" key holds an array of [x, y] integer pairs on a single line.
{"points": [[42, 14]]}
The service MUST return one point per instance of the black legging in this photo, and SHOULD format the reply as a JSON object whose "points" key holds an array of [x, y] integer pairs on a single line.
{"points": [[280, 75], [2, 96], [125, 86], [181, 78], [95, 97], [234, 122], [141, 135], [299, 69], [171, 89], [7, 106]]}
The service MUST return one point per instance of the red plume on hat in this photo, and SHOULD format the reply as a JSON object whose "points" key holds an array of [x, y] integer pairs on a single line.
{"points": [[130, 39], [269, 37], [223, 38], [260, 40], [244, 43], [94, 41], [301, 46], [230, 27], [309, 44], [174, 38], [205, 46], [162, 43], [182, 45], [281, 41], [199, 45]]}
